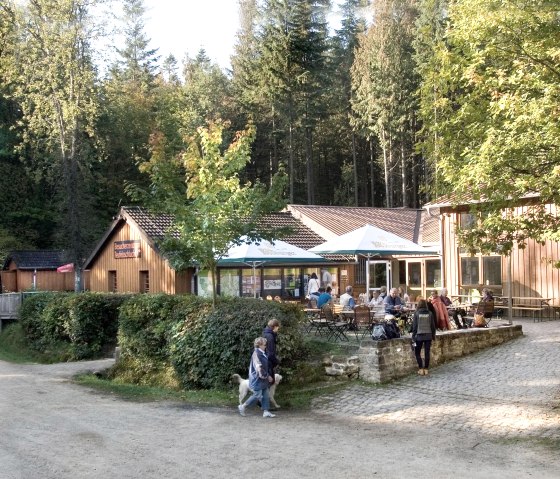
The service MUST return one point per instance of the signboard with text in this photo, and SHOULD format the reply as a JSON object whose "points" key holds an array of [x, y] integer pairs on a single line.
{"points": [[127, 249]]}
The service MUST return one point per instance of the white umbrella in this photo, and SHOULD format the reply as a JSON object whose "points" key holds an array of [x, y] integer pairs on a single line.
{"points": [[263, 251], [371, 241]]}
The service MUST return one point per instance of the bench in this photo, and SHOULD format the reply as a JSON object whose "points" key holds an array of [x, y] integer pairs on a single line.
{"points": [[532, 309]]}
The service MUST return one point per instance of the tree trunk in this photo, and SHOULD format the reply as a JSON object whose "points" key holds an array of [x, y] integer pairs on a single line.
{"points": [[309, 162], [372, 171], [355, 163]]}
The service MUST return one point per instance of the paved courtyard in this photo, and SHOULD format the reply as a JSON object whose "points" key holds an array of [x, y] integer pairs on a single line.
{"points": [[510, 391]]}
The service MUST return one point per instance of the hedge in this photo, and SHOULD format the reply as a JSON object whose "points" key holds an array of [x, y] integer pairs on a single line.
{"points": [[80, 326]]}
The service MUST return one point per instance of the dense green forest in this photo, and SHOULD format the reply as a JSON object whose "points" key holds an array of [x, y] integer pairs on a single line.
{"points": [[404, 101]]}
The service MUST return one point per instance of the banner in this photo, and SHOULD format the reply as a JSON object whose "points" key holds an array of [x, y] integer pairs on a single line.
{"points": [[65, 268]]}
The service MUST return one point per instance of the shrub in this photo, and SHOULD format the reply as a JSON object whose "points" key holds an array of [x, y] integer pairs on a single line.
{"points": [[81, 325], [209, 345], [91, 323]]}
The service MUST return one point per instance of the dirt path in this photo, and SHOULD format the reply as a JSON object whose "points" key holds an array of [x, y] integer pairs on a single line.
{"points": [[52, 428]]}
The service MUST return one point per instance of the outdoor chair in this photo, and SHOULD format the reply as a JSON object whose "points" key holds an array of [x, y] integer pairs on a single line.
{"points": [[337, 326], [362, 320], [322, 322]]}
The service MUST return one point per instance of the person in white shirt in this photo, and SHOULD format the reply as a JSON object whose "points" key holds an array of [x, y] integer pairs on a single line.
{"points": [[346, 300], [313, 285]]}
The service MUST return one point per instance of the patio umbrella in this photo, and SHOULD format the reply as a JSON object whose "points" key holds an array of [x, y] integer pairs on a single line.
{"points": [[371, 241], [263, 251]]}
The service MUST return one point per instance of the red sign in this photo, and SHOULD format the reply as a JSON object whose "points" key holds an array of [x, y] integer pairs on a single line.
{"points": [[65, 268], [127, 249]]}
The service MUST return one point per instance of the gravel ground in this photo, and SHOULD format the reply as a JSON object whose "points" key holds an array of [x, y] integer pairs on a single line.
{"points": [[53, 428]]}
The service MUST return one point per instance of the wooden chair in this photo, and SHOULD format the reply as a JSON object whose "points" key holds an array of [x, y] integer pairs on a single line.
{"points": [[362, 321]]}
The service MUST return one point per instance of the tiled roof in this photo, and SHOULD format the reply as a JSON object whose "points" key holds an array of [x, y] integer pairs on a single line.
{"points": [[459, 199], [36, 259], [404, 222], [429, 228], [155, 226], [300, 235]]}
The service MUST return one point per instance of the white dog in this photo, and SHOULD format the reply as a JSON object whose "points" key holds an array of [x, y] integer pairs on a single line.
{"points": [[244, 388]]}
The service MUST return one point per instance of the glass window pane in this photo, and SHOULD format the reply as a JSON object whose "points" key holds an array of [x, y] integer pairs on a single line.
{"points": [[272, 282], [492, 270], [470, 270], [433, 274], [204, 280], [414, 275], [229, 282], [248, 283], [292, 279]]}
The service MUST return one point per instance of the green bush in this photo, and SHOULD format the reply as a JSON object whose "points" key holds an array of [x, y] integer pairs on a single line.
{"points": [[91, 323], [81, 325], [209, 345], [36, 317]]}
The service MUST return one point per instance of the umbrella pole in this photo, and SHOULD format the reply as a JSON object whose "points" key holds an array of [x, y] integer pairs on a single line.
{"points": [[367, 278], [254, 281]]}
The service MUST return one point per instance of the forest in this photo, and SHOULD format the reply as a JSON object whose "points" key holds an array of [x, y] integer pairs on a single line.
{"points": [[405, 101]]}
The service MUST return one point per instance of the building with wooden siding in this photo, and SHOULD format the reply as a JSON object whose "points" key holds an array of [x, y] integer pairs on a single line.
{"points": [[532, 271], [127, 258], [29, 270]]}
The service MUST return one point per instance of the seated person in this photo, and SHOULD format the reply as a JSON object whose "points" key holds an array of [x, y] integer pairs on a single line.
{"points": [[485, 306], [325, 297], [374, 298], [455, 313], [382, 295], [442, 318], [346, 300], [393, 303]]}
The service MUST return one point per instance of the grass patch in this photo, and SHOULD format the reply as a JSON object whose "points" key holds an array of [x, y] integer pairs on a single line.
{"points": [[14, 348], [289, 396]]}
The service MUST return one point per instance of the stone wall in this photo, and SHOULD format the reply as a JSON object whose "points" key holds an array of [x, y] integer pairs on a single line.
{"points": [[381, 361]]}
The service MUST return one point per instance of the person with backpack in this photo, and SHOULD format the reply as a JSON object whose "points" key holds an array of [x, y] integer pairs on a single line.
{"points": [[423, 333]]}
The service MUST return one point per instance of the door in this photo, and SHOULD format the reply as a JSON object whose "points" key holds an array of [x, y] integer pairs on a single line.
{"points": [[379, 275], [414, 279]]}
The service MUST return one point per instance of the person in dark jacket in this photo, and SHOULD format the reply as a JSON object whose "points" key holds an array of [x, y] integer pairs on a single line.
{"points": [[270, 333], [423, 333], [259, 380]]}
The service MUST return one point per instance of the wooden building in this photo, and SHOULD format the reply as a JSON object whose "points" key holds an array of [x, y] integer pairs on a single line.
{"points": [[532, 274], [127, 258], [32, 270]]}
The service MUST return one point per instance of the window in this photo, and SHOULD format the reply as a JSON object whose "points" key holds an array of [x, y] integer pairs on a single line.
{"points": [[492, 270], [433, 274], [113, 282], [144, 281], [229, 282], [470, 271], [251, 287], [478, 271]]}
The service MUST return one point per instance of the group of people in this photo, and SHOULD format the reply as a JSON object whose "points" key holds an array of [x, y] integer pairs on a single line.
{"points": [[434, 314], [261, 369]]}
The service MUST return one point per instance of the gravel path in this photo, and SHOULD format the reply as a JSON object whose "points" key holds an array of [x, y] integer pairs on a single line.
{"points": [[491, 415]]}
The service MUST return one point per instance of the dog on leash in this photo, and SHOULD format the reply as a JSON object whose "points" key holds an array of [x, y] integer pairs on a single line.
{"points": [[244, 388]]}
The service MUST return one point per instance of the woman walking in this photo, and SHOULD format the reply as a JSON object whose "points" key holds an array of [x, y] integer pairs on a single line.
{"points": [[259, 379], [423, 333]]}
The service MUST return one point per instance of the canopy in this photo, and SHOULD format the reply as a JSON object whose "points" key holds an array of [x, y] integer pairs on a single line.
{"points": [[263, 251], [371, 241]]}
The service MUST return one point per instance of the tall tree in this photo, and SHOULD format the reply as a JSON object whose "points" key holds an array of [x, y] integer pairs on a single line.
{"points": [[498, 135], [55, 89], [385, 85], [129, 111]]}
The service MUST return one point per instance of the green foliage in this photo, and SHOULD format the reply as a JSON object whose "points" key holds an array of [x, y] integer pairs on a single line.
{"points": [[493, 115], [211, 207], [144, 325], [82, 325], [208, 346]]}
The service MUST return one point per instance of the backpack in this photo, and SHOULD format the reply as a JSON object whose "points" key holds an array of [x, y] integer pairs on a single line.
{"points": [[392, 329], [378, 333]]}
